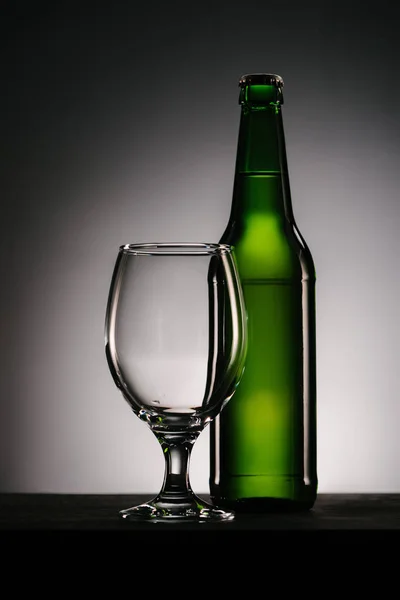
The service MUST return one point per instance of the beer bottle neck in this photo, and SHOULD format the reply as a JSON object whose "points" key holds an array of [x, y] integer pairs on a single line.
{"points": [[258, 145], [261, 176]]}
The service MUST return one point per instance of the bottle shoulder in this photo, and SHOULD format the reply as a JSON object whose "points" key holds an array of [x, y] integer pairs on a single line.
{"points": [[269, 246]]}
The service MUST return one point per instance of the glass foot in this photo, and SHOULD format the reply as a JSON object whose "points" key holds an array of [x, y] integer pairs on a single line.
{"points": [[192, 509]]}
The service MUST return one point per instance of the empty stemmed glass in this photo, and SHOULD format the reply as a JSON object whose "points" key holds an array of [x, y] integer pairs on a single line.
{"points": [[175, 345]]}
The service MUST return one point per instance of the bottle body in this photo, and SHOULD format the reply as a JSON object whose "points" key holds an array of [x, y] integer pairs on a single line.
{"points": [[263, 444]]}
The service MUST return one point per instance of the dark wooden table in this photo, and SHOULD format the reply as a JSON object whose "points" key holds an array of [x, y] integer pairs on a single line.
{"points": [[353, 534], [357, 516], [349, 537]]}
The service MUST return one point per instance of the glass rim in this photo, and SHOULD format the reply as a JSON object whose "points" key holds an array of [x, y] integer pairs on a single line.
{"points": [[175, 248]]}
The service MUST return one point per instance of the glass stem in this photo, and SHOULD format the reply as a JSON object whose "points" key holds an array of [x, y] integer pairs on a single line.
{"points": [[177, 449]]}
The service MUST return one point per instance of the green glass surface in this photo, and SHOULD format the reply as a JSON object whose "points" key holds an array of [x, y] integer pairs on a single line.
{"points": [[263, 444]]}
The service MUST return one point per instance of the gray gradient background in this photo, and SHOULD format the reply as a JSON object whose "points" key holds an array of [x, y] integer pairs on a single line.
{"points": [[121, 126]]}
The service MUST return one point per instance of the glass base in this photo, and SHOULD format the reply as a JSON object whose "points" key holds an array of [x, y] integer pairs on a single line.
{"points": [[192, 509]]}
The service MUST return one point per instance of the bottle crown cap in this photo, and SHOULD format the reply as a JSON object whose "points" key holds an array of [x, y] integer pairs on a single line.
{"points": [[261, 79], [261, 89]]}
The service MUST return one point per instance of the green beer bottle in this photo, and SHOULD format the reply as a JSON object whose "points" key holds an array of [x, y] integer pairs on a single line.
{"points": [[263, 444]]}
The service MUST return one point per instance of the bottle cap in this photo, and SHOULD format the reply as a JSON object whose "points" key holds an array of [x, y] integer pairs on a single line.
{"points": [[261, 89]]}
